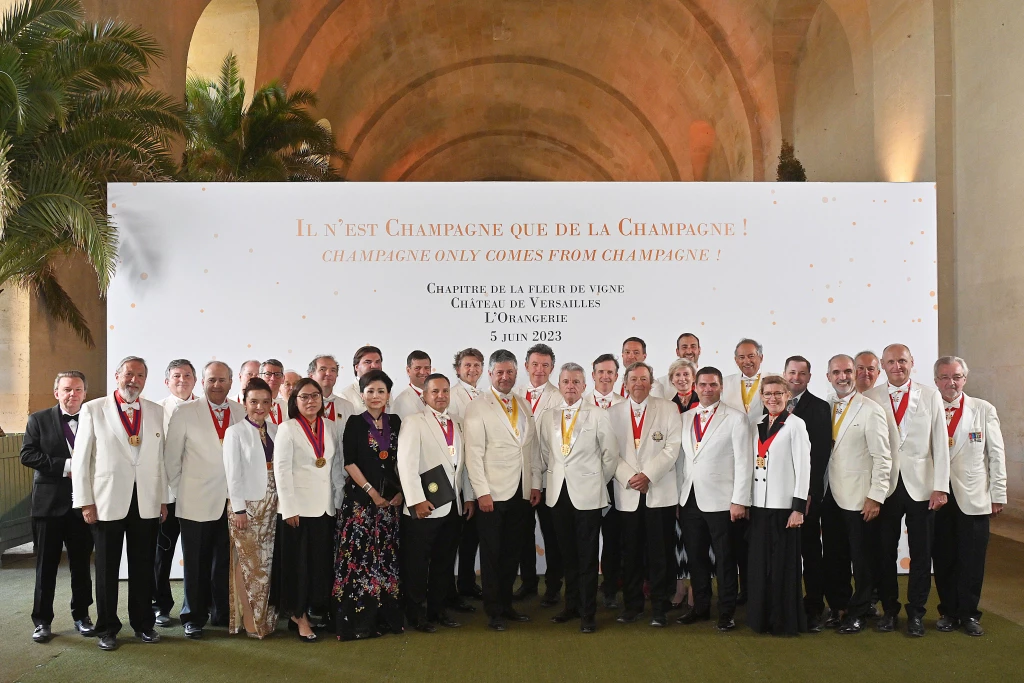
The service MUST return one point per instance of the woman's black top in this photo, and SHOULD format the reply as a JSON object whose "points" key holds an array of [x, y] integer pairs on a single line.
{"points": [[362, 450]]}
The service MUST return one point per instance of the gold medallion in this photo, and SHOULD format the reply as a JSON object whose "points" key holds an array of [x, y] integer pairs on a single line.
{"points": [[432, 487], [451, 451], [950, 442], [134, 440], [565, 449], [760, 463], [320, 462], [636, 443], [515, 431]]}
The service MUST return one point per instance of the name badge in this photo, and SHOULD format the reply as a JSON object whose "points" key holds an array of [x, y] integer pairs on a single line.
{"points": [[975, 437]]}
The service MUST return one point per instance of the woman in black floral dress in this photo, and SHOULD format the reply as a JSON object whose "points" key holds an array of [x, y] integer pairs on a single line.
{"points": [[366, 587]]}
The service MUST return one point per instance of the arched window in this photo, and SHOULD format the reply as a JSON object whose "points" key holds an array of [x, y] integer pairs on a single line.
{"points": [[226, 26]]}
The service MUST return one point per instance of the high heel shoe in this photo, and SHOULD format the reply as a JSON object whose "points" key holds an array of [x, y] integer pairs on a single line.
{"points": [[311, 638]]}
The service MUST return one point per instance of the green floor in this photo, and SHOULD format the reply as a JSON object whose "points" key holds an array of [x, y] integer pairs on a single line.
{"points": [[536, 651]]}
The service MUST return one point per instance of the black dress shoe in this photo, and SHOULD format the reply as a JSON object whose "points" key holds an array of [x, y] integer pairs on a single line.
{"points": [[192, 631], [726, 623], [628, 617], [444, 620], [523, 592], [972, 627], [460, 605], [915, 627], [815, 623], [741, 598], [887, 623], [163, 619], [833, 619], [659, 620], [497, 623], [611, 602], [588, 625], [513, 615], [107, 643], [947, 624], [475, 592], [872, 612], [149, 636], [852, 625], [85, 627], [692, 617], [42, 634], [550, 600], [565, 616], [425, 627]]}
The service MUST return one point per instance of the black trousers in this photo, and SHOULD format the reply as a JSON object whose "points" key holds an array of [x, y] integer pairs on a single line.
{"points": [[501, 538], [741, 550], [847, 540], [961, 542], [649, 534], [814, 571], [428, 548], [166, 540], [528, 560], [307, 565], [204, 550], [51, 535], [469, 542], [578, 540], [701, 531], [110, 538], [920, 530], [611, 548]]}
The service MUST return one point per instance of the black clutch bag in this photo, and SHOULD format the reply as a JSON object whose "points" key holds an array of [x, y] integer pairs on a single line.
{"points": [[389, 489], [436, 486]]}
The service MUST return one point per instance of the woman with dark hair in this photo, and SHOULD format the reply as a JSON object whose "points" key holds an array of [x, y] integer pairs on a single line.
{"points": [[366, 563], [303, 456], [252, 512]]}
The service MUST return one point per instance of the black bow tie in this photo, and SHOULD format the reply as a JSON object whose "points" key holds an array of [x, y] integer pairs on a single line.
{"points": [[67, 418]]}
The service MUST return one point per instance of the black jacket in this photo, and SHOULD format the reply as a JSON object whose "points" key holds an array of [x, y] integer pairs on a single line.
{"points": [[45, 450], [815, 414]]}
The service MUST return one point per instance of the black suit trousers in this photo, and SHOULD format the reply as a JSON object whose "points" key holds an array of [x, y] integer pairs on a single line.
{"points": [[701, 531], [649, 534], [204, 550], [469, 542], [611, 548], [961, 542], [166, 541], [51, 535], [552, 557], [110, 538], [428, 548], [814, 572], [578, 540], [847, 540], [501, 538], [920, 530]]}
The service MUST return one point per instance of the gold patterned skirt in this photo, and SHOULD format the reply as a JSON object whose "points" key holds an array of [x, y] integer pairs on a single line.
{"points": [[252, 552]]}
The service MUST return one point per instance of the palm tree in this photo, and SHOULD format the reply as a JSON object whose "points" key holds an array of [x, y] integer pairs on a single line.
{"points": [[74, 114], [275, 138]]}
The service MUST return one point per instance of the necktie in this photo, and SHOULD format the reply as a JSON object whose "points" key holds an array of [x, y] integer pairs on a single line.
{"points": [[68, 418]]}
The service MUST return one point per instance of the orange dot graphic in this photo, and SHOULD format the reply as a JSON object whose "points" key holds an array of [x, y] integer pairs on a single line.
{"points": [[932, 293], [855, 222], [633, 318], [133, 305], [869, 284], [824, 200], [248, 346], [905, 563], [206, 270], [911, 242], [851, 259], [111, 327], [908, 279], [303, 317], [772, 312], [216, 235], [135, 184], [702, 323], [144, 276], [113, 206], [335, 294], [774, 202], [204, 189], [202, 310], [250, 250], [824, 320], [812, 265], [773, 322], [935, 307], [831, 300]]}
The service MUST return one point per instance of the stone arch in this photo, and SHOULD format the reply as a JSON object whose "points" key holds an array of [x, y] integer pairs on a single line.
{"points": [[226, 26]]}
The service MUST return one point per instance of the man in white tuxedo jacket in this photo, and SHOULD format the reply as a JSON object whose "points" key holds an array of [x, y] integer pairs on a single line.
{"points": [[366, 358], [634, 350], [918, 484], [501, 444], [119, 482], [714, 471], [324, 370], [431, 439], [646, 492], [856, 481], [195, 469], [578, 458], [541, 395], [410, 400], [180, 380], [605, 373], [468, 366], [977, 492]]}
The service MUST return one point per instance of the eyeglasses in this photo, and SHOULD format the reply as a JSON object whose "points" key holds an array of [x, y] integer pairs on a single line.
{"points": [[308, 397], [955, 378], [774, 394], [272, 374]]}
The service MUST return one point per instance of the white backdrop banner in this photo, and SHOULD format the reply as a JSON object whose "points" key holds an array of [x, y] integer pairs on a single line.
{"points": [[239, 271]]}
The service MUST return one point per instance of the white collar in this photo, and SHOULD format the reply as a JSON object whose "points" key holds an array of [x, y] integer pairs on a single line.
{"points": [[598, 394], [531, 389], [744, 378], [328, 399], [221, 406], [419, 392], [847, 398], [64, 412], [469, 387], [503, 397], [179, 401], [437, 414], [637, 406], [955, 403], [904, 387], [713, 406], [574, 407]]}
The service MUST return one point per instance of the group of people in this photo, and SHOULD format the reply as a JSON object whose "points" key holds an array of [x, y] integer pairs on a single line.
{"points": [[347, 511]]}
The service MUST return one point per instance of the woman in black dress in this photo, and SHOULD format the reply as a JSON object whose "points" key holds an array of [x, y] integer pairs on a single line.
{"points": [[366, 564], [681, 377]]}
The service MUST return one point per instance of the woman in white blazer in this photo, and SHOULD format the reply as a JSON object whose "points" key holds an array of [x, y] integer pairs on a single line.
{"points": [[781, 451], [252, 511], [303, 456]]}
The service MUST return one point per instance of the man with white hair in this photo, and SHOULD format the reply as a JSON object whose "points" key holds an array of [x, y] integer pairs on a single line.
{"points": [[977, 492]]}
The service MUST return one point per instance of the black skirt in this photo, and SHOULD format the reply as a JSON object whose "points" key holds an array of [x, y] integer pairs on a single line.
{"points": [[775, 602], [306, 566]]}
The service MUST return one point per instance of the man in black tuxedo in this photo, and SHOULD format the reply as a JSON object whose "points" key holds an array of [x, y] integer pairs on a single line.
{"points": [[815, 414], [49, 441]]}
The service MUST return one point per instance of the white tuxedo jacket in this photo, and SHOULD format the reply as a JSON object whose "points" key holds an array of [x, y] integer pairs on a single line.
{"points": [[194, 457], [170, 404], [421, 448], [977, 464], [590, 465], [861, 461], [496, 458], [784, 483], [659, 450], [105, 467], [920, 445], [588, 398], [245, 464], [303, 489], [719, 472], [732, 395], [460, 399], [407, 403]]}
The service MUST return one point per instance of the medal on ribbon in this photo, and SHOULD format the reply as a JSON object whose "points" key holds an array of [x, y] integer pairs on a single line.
{"points": [[381, 438], [221, 428], [511, 411], [449, 434], [567, 432], [316, 440], [763, 446], [954, 421], [133, 426], [700, 430], [901, 410], [638, 427]]}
